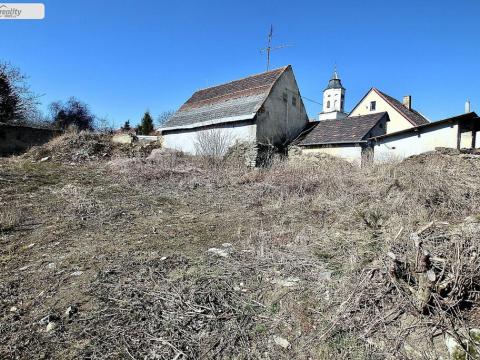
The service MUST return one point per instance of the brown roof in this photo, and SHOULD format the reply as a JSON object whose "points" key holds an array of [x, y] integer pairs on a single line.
{"points": [[411, 115], [353, 129], [235, 99]]}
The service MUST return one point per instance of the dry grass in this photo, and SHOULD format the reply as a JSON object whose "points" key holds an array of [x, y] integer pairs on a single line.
{"points": [[307, 260]]}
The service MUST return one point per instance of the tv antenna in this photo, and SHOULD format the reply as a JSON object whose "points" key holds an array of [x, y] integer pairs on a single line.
{"points": [[270, 48]]}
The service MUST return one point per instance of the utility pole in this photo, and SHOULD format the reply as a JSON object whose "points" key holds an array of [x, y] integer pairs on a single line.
{"points": [[269, 47]]}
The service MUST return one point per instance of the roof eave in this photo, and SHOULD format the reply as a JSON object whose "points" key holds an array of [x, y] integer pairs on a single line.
{"points": [[210, 122], [335, 142]]}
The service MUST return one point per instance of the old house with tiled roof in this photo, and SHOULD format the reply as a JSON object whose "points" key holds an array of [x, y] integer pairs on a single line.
{"points": [[347, 137], [265, 109]]}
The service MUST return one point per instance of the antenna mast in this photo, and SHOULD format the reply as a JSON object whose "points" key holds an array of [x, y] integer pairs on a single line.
{"points": [[269, 47]]}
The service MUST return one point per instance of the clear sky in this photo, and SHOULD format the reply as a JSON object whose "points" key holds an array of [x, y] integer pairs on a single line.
{"points": [[123, 57]]}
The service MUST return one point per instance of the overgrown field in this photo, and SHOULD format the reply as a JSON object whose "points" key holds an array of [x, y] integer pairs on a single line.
{"points": [[109, 254]]}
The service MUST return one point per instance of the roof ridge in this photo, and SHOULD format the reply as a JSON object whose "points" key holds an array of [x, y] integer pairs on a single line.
{"points": [[283, 68], [353, 117], [401, 108]]}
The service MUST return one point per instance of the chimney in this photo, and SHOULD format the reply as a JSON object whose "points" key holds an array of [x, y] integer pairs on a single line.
{"points": [[467, 106], [407, 102]]}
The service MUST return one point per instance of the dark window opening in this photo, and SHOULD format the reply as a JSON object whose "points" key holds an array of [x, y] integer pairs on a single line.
{"points": [[373, 105], [328, 104], [285, 97], [294, 101]]}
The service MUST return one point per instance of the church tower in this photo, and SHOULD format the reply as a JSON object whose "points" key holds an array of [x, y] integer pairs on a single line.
{"points": [[333, 99]]}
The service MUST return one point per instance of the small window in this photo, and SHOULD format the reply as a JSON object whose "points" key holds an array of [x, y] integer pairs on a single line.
{"points": [[285, 96], [294, 101], [373, 105], [381, 126], [328, 104]]}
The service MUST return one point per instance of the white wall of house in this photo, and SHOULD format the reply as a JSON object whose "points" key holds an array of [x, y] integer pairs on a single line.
{"points": [[397, 121], [185, 140], [350, 153], [413, 143]]}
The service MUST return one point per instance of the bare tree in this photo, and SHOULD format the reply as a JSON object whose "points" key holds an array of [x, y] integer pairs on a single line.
{"points": [[72, 113], [164, 117], [213, 143], [18, 104], [105, 125]]}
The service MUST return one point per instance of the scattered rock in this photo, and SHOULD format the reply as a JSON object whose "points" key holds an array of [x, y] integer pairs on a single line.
{"points": [[51, 326], [46, 158], [218, 252], [24, 268], [30, 246], [226, 245], [13, 309], [71, 310], [45, 320], [51, 266], [76, 273], [288, 282], [280, 341], [163, 258]]}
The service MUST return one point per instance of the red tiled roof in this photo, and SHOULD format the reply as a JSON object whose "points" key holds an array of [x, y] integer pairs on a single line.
{"points": [[232, 99]]}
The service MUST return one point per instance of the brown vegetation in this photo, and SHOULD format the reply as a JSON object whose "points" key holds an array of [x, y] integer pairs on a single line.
{"points": [[170, 256]]}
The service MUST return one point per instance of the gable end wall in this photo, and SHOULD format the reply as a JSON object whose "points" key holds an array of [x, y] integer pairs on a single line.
{"points": [[279, 121]]}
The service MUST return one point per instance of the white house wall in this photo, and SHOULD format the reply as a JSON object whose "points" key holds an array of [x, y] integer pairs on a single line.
{"points": [[405, 145], [350, 153], [185, 140]]}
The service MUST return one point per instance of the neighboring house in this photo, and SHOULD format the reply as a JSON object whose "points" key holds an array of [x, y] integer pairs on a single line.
{"points": [[402, 115], [347, 138], [459, 132], [265, 109], [381, 128]]}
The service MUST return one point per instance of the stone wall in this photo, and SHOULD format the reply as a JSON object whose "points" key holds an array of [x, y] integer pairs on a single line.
{"points": [[15, 139]]}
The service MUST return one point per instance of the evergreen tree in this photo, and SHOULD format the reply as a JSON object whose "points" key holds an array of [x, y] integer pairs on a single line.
{"points": [[17, 103], [126, 126], [146, 126]]}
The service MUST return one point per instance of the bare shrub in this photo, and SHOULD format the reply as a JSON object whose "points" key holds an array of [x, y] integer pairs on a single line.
{"points": [[213, 143], [78, 203]]}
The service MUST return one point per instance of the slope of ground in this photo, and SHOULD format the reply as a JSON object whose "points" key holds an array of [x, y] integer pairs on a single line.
{"points": [[172, 257]]}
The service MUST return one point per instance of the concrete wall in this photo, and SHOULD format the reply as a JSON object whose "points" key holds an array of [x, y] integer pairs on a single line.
{"points": [[414, 143], [397, 121], [280, 120], [185, 139], [350, 153], [15, 139]]}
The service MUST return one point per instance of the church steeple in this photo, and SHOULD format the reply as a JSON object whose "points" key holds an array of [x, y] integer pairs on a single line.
{"points": [[333, 99]]}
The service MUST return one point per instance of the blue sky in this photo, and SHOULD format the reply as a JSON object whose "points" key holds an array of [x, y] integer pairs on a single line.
{"points": [[123, 57]]}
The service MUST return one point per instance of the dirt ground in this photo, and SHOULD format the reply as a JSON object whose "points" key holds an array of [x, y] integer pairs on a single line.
{"points": [[174, 259]]}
